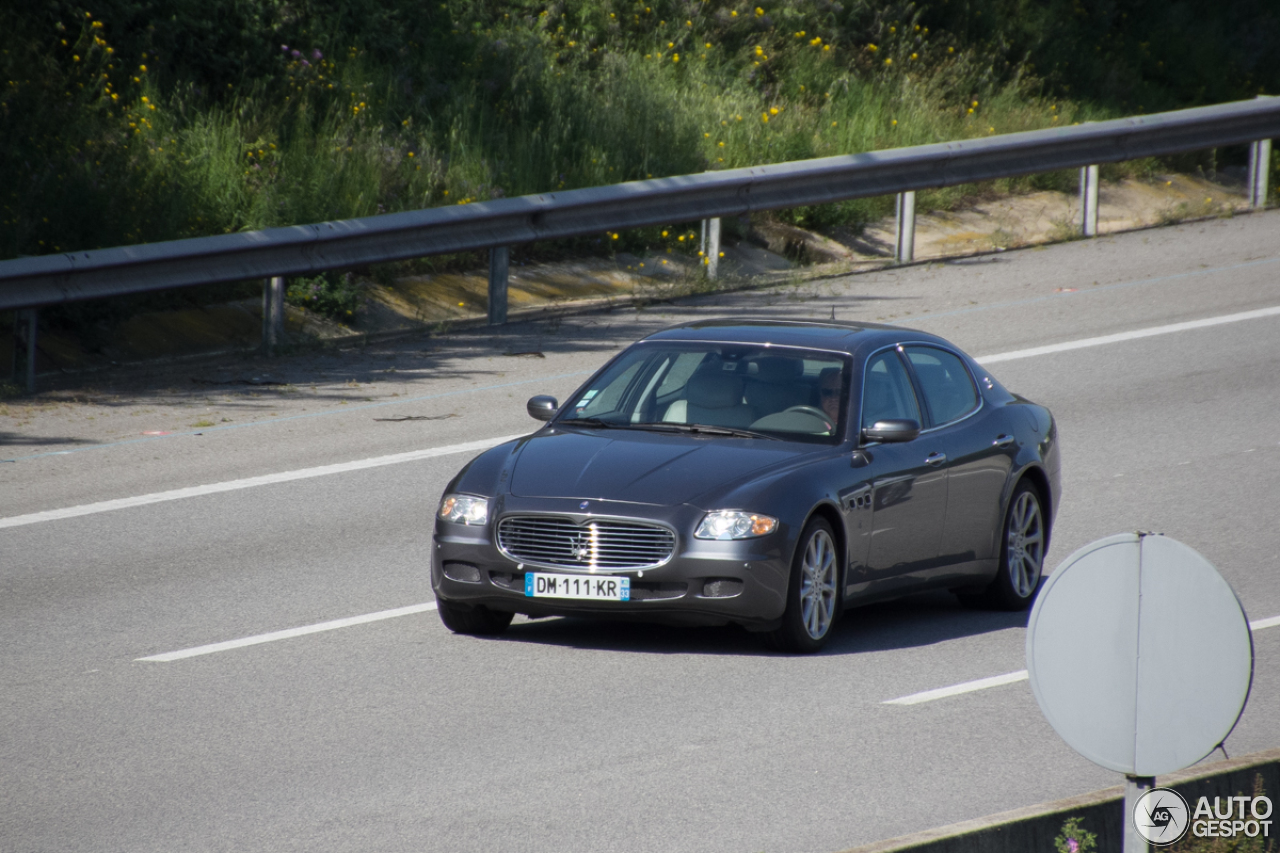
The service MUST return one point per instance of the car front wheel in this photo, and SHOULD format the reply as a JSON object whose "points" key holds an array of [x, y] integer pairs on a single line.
{"points": [[813, 593]]}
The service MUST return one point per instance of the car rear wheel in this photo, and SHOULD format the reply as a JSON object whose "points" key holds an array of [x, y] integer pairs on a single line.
{"points": [[472, 620], [1022, 550], [813, 593]]}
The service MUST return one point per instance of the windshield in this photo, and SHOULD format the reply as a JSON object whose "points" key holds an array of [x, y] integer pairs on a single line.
{"points": [[777, 392]]}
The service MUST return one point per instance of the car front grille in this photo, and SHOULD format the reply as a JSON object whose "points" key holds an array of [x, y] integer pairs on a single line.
{"points": [[563, 543]]}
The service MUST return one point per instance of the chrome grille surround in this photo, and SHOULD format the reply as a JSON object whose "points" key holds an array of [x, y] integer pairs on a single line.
{"points": [[592, 544]]}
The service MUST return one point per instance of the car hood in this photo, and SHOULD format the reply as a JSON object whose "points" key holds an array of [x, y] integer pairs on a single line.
{"points": [[638, 467]]}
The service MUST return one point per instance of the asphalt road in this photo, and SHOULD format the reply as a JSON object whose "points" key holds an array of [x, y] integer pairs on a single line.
{"points": [[570, 735]]}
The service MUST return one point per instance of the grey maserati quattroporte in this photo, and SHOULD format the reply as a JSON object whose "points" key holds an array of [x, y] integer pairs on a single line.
{"points": [[761, 472]]}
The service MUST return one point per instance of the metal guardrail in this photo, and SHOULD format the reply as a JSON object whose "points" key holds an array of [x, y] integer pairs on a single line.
{"points": [[28, 283]]}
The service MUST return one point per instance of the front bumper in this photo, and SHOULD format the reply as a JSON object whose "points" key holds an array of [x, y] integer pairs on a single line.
{"points": [[703, 583]]}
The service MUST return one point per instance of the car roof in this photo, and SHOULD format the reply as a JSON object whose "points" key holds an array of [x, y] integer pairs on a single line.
{"points": [[816, 334]]}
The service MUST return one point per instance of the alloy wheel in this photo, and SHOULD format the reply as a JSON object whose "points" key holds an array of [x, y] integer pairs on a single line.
{"points": [[1025, 546], [818, 585]]}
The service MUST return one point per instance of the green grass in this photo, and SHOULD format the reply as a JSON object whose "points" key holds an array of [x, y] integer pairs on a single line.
{"points": [[129, 121]]}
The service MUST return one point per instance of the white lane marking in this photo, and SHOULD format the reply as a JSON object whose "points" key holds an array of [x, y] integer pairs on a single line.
{"points": [[288, 633], [1011, 677], [957, 689], [291, 632], [1084, 343], [1264, 623], [251, 482]]}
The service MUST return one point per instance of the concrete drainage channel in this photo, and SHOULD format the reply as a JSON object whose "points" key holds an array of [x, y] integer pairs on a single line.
{"points": [[1034, 828]]}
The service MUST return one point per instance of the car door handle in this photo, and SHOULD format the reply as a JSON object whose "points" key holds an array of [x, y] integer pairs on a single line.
{"points": [[1003, 440], [935, 459]]}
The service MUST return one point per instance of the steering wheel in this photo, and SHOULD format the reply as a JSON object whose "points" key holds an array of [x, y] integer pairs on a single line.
{"points": [[814, 412]]}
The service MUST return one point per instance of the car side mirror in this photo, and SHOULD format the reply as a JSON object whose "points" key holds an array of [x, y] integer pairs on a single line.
{"points": [[541, 407], [892, 430]]}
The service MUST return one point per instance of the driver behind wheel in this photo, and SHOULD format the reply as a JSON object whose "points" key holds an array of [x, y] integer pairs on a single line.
{"points": [[829, 392]]}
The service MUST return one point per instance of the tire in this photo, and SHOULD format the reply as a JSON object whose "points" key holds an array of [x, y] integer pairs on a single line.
{"points": [[477, 620], [813, 592], [1024, 538]]}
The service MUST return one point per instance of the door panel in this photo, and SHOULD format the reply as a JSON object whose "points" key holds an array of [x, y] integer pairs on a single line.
{"points": [[908, 506], [980, 457], [902, 487]]}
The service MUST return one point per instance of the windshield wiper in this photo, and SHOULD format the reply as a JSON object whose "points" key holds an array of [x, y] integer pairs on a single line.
{"points": [[594, 423], [703, 429]]}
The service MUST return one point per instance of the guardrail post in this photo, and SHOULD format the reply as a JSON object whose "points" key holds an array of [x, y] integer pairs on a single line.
{"points": [[499, 265], [711, 246], [1089, 201], [272, 314], [24, 348], [1259, 167], [904, 251]]}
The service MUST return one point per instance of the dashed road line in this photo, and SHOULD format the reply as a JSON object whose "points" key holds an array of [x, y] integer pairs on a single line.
{"points": [[1009, 678], [251, 482], [289, 633]]}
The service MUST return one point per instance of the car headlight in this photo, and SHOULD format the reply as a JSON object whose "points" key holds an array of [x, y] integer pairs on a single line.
{"points": [[732, 524], [464, 509]]}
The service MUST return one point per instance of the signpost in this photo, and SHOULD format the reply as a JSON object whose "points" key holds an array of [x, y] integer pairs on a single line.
{"points": [[1141, 659]]}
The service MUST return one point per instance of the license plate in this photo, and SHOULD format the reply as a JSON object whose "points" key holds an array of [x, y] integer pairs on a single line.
{"points": [[543, 585]]}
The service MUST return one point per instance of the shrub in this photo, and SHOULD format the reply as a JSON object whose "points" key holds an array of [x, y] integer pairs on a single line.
{"points": [[334, 295]]}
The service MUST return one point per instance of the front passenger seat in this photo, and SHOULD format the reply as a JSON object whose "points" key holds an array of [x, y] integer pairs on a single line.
{"points": [[712, 398]]}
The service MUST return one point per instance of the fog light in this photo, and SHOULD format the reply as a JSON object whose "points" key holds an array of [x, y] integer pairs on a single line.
{"points": [[721, 588], [462, 572]]}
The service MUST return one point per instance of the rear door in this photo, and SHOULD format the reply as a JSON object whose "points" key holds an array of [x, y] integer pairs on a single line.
{"points": [[979, 458]]}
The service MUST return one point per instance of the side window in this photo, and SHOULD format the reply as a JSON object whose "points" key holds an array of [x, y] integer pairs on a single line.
{"points": [[945, 382], [886, 390]]}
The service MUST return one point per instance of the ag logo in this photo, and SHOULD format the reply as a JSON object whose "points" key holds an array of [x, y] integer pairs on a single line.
{"points": [[1161, 816]]}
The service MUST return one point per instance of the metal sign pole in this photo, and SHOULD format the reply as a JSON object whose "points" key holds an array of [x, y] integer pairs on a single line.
{"points": [[1134, 788]]}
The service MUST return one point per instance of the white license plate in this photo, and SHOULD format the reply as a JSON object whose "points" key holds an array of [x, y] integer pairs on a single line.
{"points": [[590, 587]]}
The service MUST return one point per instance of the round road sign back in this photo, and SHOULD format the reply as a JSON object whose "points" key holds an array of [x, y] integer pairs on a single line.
{"points": [[1139, 654]]}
